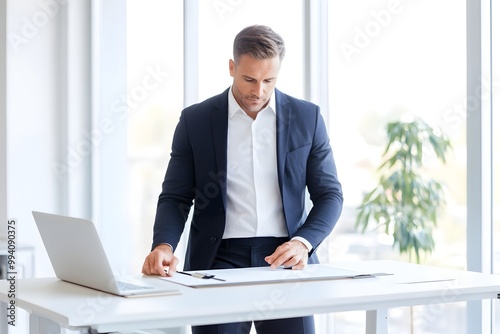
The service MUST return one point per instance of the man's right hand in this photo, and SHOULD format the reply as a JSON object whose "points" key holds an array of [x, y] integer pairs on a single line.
{"points": [[159, 258]]}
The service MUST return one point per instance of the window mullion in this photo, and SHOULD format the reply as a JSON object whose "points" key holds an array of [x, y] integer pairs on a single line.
{"points": [[479, 151]]}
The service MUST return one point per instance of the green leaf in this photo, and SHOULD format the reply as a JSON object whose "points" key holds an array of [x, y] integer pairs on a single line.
{"points": [[405, 203]]}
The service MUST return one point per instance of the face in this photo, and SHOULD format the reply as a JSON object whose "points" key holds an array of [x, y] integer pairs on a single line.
{"points": [[253, 82]]}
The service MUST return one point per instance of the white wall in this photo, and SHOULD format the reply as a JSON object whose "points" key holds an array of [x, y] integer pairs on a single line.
{"points": [[53, 164], [33, 118]]}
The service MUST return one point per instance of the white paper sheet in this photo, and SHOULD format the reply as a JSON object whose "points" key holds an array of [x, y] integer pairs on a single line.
{"points": [[261, 275]]}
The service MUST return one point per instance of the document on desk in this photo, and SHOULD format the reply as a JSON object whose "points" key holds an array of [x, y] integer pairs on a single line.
{"points": [[260, 275]]}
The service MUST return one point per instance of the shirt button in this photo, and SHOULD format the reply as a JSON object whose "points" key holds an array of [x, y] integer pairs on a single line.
{"points": [[213, 240]]}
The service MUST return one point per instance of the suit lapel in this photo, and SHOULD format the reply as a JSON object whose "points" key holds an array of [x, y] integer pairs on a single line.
{"points": [[283, 118], [219, 123]]}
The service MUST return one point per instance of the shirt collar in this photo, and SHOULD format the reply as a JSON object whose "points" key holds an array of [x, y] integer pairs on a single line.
{"points": [[234, 107]]}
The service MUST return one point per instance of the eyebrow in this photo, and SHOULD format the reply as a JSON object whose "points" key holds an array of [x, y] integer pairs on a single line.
{"points": [[248, 77]]}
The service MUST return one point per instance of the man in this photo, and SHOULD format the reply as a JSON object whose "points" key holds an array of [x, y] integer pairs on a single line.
{"points": [[246, 157]]}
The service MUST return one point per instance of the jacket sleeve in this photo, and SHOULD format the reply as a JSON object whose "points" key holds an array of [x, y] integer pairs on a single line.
{"points": [[176, 198], [323, 186]]}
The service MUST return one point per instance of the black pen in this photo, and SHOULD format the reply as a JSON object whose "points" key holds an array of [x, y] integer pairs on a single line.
{"points": [[201, 275]]}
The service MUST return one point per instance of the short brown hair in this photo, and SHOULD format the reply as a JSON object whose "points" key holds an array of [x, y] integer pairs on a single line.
{"points": [[258, 41]]}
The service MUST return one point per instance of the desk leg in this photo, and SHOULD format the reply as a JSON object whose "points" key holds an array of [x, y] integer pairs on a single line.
{"points": [[376, 321], [39, 325], [3, 319]]}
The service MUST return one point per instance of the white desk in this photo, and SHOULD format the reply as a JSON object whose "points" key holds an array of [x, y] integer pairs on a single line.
{"points": [[58, 304]]}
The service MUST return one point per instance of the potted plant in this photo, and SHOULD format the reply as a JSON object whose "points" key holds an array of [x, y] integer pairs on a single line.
{"points": [[406, 201]]}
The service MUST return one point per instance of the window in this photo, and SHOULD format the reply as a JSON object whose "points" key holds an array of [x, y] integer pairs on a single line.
{"points": [[495, 36], [155, 100], [390, 60], [220, 21]]}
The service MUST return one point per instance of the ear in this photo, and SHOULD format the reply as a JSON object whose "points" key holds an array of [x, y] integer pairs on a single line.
{"points": [[231, 67]]}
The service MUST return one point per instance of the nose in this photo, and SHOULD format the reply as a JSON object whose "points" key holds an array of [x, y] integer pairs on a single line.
{"points": [[258, 89]]}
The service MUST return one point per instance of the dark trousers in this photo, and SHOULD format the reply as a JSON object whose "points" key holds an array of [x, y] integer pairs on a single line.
{"points": [[250, 252]]}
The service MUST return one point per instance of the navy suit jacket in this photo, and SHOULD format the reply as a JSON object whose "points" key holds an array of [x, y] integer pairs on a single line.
{"points": [[197, 172]]}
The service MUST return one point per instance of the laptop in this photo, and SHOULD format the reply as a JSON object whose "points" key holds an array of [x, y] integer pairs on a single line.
{"points": [[77, 256]]}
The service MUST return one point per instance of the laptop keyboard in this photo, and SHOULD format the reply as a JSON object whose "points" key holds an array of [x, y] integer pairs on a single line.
{"points": [[123, 286]]}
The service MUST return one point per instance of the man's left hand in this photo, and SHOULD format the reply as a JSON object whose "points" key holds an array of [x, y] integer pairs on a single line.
{"points": [[292, 254]]}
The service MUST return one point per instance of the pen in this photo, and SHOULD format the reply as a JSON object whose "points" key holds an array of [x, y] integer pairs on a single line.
{"points": [[201, 275]]}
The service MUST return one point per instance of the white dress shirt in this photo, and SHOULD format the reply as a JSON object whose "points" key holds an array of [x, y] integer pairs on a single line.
{"points": [[254, 207]]}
